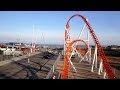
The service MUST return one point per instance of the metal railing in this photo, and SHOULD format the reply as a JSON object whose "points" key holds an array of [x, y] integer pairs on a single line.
{"points": [[50, 74]]}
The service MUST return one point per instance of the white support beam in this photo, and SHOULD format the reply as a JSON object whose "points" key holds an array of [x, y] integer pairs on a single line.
{"points": [[89, 55], [71, 61], [81, 31], [100, 68], [104, 76], [53, 68], [94, 63], [73, 66]]}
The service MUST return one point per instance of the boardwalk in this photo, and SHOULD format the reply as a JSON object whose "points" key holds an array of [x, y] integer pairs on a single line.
{"points": [[83, 71]]}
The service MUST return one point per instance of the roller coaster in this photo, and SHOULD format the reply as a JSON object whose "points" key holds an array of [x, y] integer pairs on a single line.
{"points": [[71, 46], [76, 58]]}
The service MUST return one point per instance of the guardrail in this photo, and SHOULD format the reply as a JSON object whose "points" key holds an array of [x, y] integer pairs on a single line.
{"points": [[50, 74]]}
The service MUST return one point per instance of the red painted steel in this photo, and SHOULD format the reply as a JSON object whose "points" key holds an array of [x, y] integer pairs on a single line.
{"points": [[106, 65]]}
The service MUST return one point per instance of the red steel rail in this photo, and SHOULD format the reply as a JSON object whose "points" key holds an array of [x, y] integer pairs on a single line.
{"points": [[106, 65]]}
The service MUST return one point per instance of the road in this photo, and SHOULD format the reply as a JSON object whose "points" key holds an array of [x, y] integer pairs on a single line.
{"points": [[36, 68]]}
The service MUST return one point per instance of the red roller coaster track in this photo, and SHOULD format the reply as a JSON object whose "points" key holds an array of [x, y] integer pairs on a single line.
{"points": [[67, 55], [106, 65]]}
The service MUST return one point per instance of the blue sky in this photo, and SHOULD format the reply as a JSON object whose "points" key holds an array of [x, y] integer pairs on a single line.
{"points": [[15, 25]]}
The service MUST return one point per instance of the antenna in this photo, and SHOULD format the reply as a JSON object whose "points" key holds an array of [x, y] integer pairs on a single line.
{"points": [[36, 35], [19, 43], [43, 38], [33, 37]]}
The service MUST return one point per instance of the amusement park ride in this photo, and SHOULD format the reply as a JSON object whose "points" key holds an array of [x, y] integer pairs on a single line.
{"points": [[71, 47]]}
